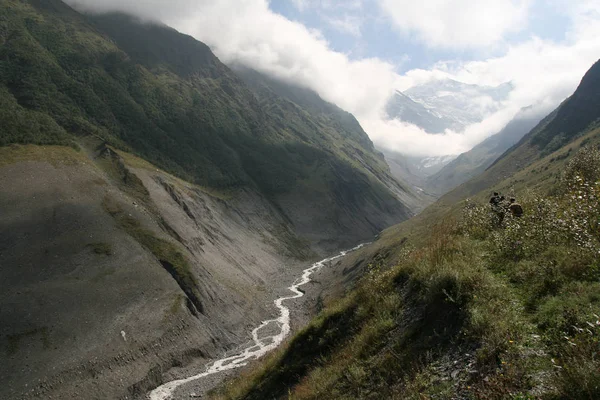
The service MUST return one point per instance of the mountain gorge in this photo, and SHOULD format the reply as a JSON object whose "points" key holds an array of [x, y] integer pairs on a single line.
{"points": [[459, 303], [154, 200]]}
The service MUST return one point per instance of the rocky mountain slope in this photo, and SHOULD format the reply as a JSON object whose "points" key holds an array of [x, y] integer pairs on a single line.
{"points": [[454, 304], [153, 202], [114, 272]]}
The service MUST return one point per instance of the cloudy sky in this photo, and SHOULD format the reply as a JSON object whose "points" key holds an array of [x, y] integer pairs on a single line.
{"points": [[355, 53]]}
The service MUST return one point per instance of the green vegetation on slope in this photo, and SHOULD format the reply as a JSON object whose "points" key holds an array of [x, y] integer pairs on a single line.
{"points": [[477, 311], [151, 90], [55, 155], [163, 96], [54, 62], [303, 113]]}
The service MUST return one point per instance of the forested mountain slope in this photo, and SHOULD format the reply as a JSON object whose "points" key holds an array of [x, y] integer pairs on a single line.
{"points": [[337, 132]]}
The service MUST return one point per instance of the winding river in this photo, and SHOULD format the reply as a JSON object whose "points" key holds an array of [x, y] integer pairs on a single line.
{"points": [[260, 345]]}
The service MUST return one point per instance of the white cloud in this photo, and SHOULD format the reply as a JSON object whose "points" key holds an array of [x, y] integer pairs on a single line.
{"points": [[542, 73], [457, 23], [303, 5], [247, 31], [348, 24]]}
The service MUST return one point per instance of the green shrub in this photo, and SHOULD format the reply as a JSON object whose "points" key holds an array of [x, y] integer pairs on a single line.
{"points": [[101, 248]]}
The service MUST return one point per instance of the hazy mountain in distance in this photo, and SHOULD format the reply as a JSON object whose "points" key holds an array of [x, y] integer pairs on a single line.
{"points": [[406, 109], [478, 159], [460, 104], [437, 106]]}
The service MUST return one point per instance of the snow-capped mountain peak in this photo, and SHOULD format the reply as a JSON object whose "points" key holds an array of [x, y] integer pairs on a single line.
{"points": [[447, 104]]}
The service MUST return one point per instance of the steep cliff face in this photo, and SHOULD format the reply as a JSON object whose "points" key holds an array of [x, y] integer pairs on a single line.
{"points": [[153, 203]]}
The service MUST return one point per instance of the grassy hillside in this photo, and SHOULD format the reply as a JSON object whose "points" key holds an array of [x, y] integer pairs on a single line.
{"points": [[453, 305], [473, 311]]}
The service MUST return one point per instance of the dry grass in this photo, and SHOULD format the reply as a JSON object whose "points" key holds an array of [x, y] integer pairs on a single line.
{"points": [[55, 155]]}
